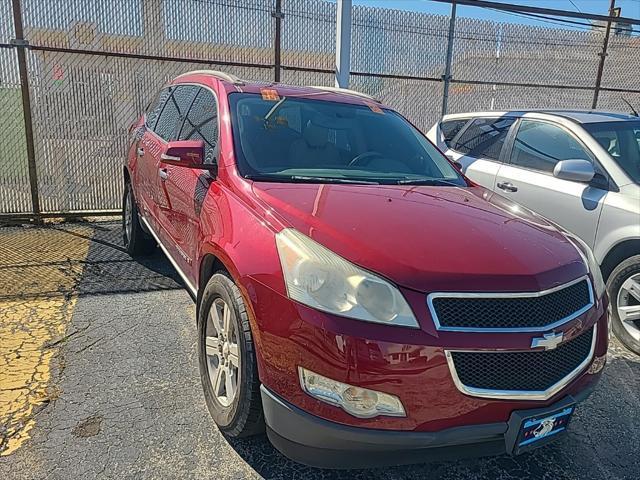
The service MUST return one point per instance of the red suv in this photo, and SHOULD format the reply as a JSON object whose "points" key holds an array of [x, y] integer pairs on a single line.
{"points": [[355, 292]]}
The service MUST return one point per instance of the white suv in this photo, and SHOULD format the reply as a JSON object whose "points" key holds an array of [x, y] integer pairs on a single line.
{"points": [[579, 169]]}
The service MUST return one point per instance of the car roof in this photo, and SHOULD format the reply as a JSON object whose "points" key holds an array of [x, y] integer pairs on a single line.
{"points": [[577, 116], [592, 116], [232, 84]]}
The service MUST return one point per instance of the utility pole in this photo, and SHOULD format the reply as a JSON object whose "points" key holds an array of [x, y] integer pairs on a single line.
{"points": [[447, 69], [603, 56], [343, 43], [21, 45], [277, 41]]}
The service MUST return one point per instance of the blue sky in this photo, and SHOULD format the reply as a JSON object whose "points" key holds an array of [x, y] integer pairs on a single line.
{"points": [[630, 8]]}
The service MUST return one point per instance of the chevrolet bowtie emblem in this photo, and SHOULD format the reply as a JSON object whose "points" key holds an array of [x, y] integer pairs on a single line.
{"points": [[548, 341]]}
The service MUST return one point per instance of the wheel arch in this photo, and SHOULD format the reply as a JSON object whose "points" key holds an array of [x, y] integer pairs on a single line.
{"points": [[618, 253], [214, 260], [209, 265]]}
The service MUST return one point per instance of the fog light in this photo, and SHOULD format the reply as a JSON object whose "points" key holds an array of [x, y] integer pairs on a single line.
{"points": [[597, 365], [357, 401]]}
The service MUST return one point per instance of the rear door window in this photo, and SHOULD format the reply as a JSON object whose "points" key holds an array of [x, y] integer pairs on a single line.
{"points": [[484, 138], [450, 128], [540, 145], [155, 108], [201, 123]]}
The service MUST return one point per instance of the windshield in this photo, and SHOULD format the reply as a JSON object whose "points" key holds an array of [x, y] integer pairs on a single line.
{"points": [[287, 139], [622, 141]]}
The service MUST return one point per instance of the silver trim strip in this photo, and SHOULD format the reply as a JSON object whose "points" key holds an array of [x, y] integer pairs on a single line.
{"points": [[186, 281], [543, 328], [518, 394]]}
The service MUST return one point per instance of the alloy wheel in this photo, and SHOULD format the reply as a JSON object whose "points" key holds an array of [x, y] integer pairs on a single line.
{"points": [[628, 305], [223, 352]]}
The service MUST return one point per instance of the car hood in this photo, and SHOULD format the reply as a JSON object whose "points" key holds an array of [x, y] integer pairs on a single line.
{"points": [[429, 238]]}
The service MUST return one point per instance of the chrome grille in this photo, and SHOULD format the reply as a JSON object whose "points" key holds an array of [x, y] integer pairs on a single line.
{"points": [[535, 311], [537, 374]]}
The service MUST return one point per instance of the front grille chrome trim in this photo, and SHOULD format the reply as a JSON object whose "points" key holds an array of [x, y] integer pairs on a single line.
{"points": [[518, 394], [545, 328]]}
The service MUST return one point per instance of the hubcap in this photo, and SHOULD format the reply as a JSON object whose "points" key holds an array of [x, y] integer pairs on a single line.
{"points": [[223, 353], [128, 216], [628, 305]]}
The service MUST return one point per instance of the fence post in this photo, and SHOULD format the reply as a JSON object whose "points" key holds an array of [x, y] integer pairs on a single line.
{"points": [[21, 45], [603, 56], [343, 43], [277, 46], [447, 69]]}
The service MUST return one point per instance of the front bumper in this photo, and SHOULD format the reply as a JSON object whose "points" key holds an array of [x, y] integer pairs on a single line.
{"points": [[408, 363], [314, 441]]}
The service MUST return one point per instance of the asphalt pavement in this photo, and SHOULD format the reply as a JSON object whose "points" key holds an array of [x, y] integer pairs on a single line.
{"points": [[112, 390]]}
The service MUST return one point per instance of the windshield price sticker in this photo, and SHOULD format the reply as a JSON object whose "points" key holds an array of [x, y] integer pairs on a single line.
{"points": [[270, 94], [375, 108]]}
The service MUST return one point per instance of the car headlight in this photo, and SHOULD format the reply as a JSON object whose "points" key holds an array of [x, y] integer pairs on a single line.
{"points": [[321, 279], [592, 264]]}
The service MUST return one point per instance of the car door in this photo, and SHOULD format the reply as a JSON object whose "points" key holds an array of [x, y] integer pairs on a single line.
{"points": [[527, 177], [478, 148], [168, 128], [146, 148], [185, 188]]}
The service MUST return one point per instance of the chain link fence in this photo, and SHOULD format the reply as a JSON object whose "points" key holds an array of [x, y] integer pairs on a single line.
{"points": [[92, 67]]}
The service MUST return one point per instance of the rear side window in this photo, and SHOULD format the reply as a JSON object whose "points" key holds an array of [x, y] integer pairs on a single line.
{"points": [[450, 129], [540, 145], [484, 138], [175, 111], [202, 123], [155, 108]]}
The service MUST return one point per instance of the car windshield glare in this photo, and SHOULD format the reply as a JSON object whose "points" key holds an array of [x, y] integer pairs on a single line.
{"points": [[622, 141], [294, 139]]}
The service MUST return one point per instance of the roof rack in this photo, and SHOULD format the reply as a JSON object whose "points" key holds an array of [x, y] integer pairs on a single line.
{"points": [[345, 91], [227, 77]]}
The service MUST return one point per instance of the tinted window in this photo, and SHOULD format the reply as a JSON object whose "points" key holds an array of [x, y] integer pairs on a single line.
{"points": [[153, 112], [202, 123], [174, 111], [484, 138], [300, 139], [540, 145], [622, 141], [450, 129]]}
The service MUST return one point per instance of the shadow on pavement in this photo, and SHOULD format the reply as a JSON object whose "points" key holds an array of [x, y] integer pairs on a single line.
{"points": [[82, 258]]}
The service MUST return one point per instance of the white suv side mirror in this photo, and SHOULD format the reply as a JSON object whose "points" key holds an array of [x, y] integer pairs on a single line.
{"points": [[574, 170]]}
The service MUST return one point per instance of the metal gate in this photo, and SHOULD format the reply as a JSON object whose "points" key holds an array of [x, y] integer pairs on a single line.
{"points": [[74, 75]]}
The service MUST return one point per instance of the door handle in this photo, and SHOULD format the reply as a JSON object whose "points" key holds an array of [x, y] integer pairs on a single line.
{"points": [[140, 151], [163, 173], [507, 187]]}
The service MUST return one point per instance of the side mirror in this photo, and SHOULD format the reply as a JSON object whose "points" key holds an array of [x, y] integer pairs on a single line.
{"points": [[185, 153], [574, 170]]}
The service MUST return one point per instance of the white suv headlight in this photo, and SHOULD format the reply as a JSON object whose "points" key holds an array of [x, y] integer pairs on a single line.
{"points": [[319, 278]]}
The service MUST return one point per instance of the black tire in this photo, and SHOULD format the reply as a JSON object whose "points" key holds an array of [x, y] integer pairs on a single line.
{"points": [[244, 416], [137, 243], [621, 273]]}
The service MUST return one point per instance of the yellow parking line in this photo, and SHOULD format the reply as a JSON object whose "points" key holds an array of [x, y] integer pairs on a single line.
{"points": [[39, 270]]}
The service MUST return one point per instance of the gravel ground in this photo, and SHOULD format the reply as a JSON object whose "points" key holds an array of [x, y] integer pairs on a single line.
{"points": [[129, 402]]}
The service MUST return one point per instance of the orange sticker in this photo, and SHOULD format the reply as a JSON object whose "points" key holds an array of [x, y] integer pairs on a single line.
{"points": [[270, 94], [374, 108]]}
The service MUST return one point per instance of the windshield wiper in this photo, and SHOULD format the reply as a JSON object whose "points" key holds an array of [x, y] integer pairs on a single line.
{"points": [[333, 180], [426, 181], [307, 179]]}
